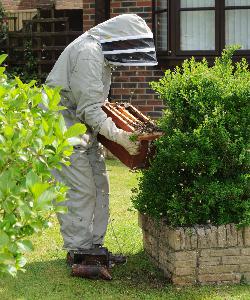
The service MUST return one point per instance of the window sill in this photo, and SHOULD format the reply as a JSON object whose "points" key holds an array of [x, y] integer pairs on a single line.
{"points": [[172, 61]]}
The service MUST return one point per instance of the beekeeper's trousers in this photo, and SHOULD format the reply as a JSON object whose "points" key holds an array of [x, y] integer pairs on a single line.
{"points": [[86, 221]]}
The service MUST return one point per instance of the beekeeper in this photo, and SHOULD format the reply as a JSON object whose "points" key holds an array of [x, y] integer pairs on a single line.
{"points": [[83, 71]]}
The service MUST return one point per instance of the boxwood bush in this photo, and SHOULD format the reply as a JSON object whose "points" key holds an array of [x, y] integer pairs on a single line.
{"points": [[33, 140], [200, 174]]}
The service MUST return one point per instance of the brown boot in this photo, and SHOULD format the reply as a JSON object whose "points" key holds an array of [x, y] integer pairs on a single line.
{"points": [[117, 259], [89, 263], [94, 256]]}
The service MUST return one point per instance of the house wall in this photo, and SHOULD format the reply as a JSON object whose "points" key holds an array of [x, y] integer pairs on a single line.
{"points": [[69, 4], [28, 4], [128, 83], [88, 14], [132, 83], [19, 4]]}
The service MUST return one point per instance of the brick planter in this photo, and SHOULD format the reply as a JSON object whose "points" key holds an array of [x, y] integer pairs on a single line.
{"points": [[199, 254]]}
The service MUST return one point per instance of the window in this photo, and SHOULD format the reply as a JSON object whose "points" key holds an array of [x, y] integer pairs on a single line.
{"points": [[200, 27], [161, 21], [197, 25], [237, 23]]}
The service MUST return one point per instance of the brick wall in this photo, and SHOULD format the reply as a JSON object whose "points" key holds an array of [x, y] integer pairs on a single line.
{"points": [[129, 83], [69, 4], [88, 7], [19, 4], [28, 4], [132, 83], [199, 254], [88, 14]]}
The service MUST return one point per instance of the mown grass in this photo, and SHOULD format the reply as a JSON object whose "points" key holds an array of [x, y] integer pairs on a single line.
{"points": [[47, 277]]}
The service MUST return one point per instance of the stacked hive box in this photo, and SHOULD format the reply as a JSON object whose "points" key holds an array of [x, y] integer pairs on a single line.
{"points": [[128, 118]]}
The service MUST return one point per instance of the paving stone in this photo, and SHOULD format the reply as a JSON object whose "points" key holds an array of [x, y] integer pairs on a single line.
{"points": [[202, 241], [220, 252], [234, 260], [245, 268], [186, 255], [211, 236], [184, 271], [232, 237], [216, 278], [245, 251], [246, 236], [220, 269], [221, 232], [209, 261]]}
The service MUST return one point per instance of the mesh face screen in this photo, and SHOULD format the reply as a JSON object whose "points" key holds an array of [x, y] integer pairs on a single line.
{"points": [[128, 44], [138, 57]]}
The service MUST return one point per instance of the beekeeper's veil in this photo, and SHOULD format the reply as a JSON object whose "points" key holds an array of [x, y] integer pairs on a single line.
{"points": [[126, 40]]}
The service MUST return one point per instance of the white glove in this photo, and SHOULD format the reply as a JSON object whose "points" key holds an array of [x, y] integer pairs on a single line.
{"points": [[119, 136]]}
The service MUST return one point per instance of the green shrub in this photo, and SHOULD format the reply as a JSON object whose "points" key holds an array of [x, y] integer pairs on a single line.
{"points": [[33, 141], [4, 28], [200, 174], [27, 72]]}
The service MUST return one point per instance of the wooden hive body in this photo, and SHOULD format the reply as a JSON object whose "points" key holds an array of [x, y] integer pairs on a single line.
{"points": [[128, 118]]}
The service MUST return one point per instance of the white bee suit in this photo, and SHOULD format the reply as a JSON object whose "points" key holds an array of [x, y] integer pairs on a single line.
{"points": [[83, 71]]}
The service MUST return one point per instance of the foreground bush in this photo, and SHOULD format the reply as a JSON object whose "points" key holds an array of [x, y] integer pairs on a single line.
{"points": [[201, 171], [32, 142]]}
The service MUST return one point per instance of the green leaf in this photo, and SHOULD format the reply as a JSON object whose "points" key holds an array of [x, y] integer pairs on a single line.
{"points": [[2, 58], [2, 139], [45, 200], [11, 270], [67, 163], [21, 262], [8, 131], [2, 69], [54, 97], [36, 99], [24, 211], [19, 82], [48, 140], [38, 188], [6, 181], [57, 131], [45, 125], [31, 179], [6, 258], [45, 99], [61, 209], [24, 157], [4, 239], [25, 246], [9, 204], [74, 141], [75, 130], [31, 83], [62, 125]]}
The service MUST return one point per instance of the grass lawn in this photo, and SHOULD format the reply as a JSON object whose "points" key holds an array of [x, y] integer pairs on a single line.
{"points": [[47, 277]]}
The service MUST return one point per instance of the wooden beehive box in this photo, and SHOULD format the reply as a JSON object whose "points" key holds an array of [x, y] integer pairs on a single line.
{"points": [[128, 118]]}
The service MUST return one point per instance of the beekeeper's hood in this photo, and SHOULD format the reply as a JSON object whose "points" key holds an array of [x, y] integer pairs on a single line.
{"points": [[126, 40]]}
